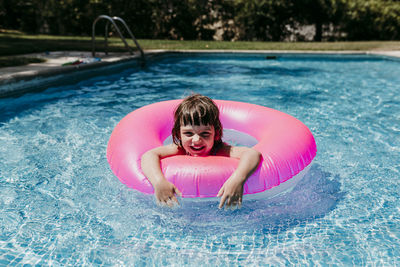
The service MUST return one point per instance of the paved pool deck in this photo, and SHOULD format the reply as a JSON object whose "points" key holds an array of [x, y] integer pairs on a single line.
{"points": [[63, 62]]}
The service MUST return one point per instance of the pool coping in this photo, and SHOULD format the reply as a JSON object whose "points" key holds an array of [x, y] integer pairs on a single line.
{"points": [[14, 80]]}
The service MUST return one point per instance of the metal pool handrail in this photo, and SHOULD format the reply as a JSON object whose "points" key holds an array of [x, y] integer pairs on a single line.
{"points": [[112, 21]]}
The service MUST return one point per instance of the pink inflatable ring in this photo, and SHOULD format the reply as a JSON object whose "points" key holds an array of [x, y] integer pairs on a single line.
{"points": [[286, 144]]}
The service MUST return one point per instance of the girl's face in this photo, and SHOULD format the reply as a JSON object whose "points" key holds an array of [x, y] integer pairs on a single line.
{"points": [[197, 140]]}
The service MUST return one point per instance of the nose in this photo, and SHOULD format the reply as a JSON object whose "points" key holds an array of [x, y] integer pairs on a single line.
{"points": [[196, 138]]}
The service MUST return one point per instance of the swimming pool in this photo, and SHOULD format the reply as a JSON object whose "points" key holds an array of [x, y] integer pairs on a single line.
{"points": [[60, 203]]}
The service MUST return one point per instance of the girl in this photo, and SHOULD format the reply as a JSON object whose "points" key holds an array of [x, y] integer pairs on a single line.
{"points": [[197, 132]]}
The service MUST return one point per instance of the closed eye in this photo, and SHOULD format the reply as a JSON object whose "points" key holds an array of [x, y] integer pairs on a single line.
{"points": [[188, 134], [205, 134]]}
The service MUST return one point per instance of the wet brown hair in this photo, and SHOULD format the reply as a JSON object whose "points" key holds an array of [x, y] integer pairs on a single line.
{"points": [[195, 110]]}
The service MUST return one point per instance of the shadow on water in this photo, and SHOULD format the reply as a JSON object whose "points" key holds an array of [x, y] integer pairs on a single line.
{"points": [[216, 70], [73, 91], [314, 196], [37, 92]]}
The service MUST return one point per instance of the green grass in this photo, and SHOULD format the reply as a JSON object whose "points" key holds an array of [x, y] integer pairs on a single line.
{"points": [[17, 43], [241, 45]]}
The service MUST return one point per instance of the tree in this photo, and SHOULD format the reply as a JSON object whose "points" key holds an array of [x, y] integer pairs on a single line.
{"points": [[371, 20], [265, 20]]}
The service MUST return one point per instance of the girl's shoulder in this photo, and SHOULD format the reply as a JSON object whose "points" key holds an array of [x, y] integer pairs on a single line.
{"points": [[227, 150], [223, 149]]}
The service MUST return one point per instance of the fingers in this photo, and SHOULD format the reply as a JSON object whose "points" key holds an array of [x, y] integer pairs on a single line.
{"points": [[222, 202], [220, 192], [237, 204], [174, 200], [179, 193], [231, 202], [169, 200]]}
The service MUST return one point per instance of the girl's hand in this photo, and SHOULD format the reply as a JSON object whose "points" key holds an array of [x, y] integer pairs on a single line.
{"points": [[165, 193], [232, 190], [232, 193]]}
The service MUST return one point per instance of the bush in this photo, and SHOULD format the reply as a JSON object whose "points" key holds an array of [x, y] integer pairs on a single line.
{"points": [[267, 20]]}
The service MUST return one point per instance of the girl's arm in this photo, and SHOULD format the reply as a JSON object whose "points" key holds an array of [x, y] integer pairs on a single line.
{"points": [[164, 191], [232, 191]]}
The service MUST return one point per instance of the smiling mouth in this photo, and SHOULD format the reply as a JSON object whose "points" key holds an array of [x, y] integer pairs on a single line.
{"points": [[197, 148]]}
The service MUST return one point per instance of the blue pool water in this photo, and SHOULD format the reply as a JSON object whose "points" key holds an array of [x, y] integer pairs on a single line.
{"points": [[60, 204]]}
